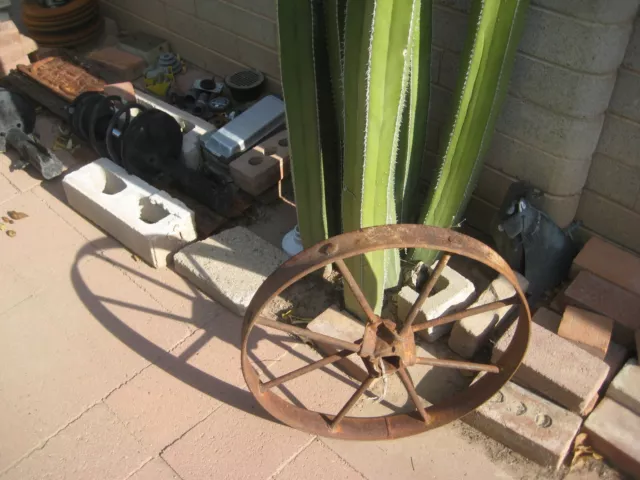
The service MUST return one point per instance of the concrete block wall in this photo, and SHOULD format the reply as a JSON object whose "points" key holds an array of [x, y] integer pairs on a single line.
{"points": [[610, 203], [221, 36]]}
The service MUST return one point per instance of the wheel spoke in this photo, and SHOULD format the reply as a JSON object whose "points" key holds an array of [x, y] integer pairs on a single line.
{"points": [[350, 403], [454, 317], [411, 390], [424, 294], [355, 289], [474, 367], [307, 369], [303, 332]]}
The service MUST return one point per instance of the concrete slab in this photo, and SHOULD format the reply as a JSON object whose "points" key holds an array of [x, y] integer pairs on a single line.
{"points": [[322, 461], [556, 368], [613, 431], [78, 451], [528, 424], [229, 266], [472, 333], [452, 292], [625, 388]]}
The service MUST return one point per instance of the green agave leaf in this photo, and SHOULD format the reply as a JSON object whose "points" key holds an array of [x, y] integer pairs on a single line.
{"points": [[376, 68], [484, 76]]}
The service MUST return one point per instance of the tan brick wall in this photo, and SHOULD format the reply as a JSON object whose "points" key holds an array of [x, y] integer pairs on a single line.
{"points": [[219, 35]]}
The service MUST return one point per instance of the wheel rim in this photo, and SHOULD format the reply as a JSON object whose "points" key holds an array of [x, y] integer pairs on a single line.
{"points": [[373, 345]]}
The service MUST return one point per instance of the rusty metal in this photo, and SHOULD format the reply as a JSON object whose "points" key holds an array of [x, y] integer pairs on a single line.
{"points": [[63, 77], [66, 26], [457, 364], [382, 349]]}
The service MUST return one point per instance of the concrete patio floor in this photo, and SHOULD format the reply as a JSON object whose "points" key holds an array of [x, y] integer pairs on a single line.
{"points": [[110, 369]]}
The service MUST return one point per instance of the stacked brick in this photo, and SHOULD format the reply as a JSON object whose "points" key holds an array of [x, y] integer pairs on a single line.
{"points": [[14, 47]]}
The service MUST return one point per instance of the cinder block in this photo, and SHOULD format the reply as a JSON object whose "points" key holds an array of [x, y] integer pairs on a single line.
{"points": [[598, 295], [187, 6], [547, 319], [144, 219], [588, 330], [562, 135], [609, 262], [584, 46], [546, 171], [471, 333], [449, 28], [191, 155], [263, 166], [620, 139], [451, 293], [556, 368], [614, 431], [625, 388], [613, 179], [230, 266], [601, 11], [561, 89], [632, 55], [124, 65], [528, 424], [626, 95]]}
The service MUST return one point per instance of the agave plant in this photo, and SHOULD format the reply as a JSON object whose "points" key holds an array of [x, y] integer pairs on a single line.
{"points": [[356, 81]]}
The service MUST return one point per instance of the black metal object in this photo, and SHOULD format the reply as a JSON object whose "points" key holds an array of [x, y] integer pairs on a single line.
{"points": [[245, 85], [17, 122]]}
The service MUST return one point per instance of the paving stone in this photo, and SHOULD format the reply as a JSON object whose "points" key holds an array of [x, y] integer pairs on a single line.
{"points": [[599, 295], [528, 424], [156, 469], [556, 368], [590, 331], [613, 431], [625, 388], [471, 333], [229, 266], [95, 446], [452, 292], [146, 220], [321, 460], [547, 319], [234, 443], [609, 262]]}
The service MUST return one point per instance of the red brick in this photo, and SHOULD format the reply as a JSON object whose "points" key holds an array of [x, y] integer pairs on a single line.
{"points": [[614, 431], [588, 330], [126, 65], [609, 262], [625, 388], [557, 368], [599, 295]]}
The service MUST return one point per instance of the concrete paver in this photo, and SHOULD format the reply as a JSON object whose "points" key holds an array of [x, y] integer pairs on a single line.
{"points": [[95, 446], [321, 462], [7, 190], [156, 469]]}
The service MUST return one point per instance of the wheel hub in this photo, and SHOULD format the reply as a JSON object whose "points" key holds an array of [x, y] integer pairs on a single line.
{"points": [[384, 350]]}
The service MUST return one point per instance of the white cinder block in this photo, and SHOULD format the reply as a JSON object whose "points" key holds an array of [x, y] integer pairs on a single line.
{"points": [[191, 156], [146, 220], [455, 293]]}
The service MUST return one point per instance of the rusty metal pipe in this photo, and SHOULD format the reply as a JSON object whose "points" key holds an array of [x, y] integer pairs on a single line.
{"points": [[457, 364]]}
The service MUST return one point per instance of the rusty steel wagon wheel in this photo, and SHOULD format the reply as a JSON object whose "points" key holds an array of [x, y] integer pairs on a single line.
{"points": [[384, 346]]}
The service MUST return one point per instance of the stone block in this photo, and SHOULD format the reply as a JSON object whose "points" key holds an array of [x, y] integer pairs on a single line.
{"points": [[547, 319], [238, 21], [613, 431], [599, 295], [607, 218], [626, 95], [620, 139], [124, 65], [146, 220], [528, 424], [600, 11], [451, 293], [564, 136], [472, 333], [561, 89], [546, 171], [614, 180], [609, 262], [583, 46], [556, 368], [588, 330], [230, 266], [625, 388]]}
